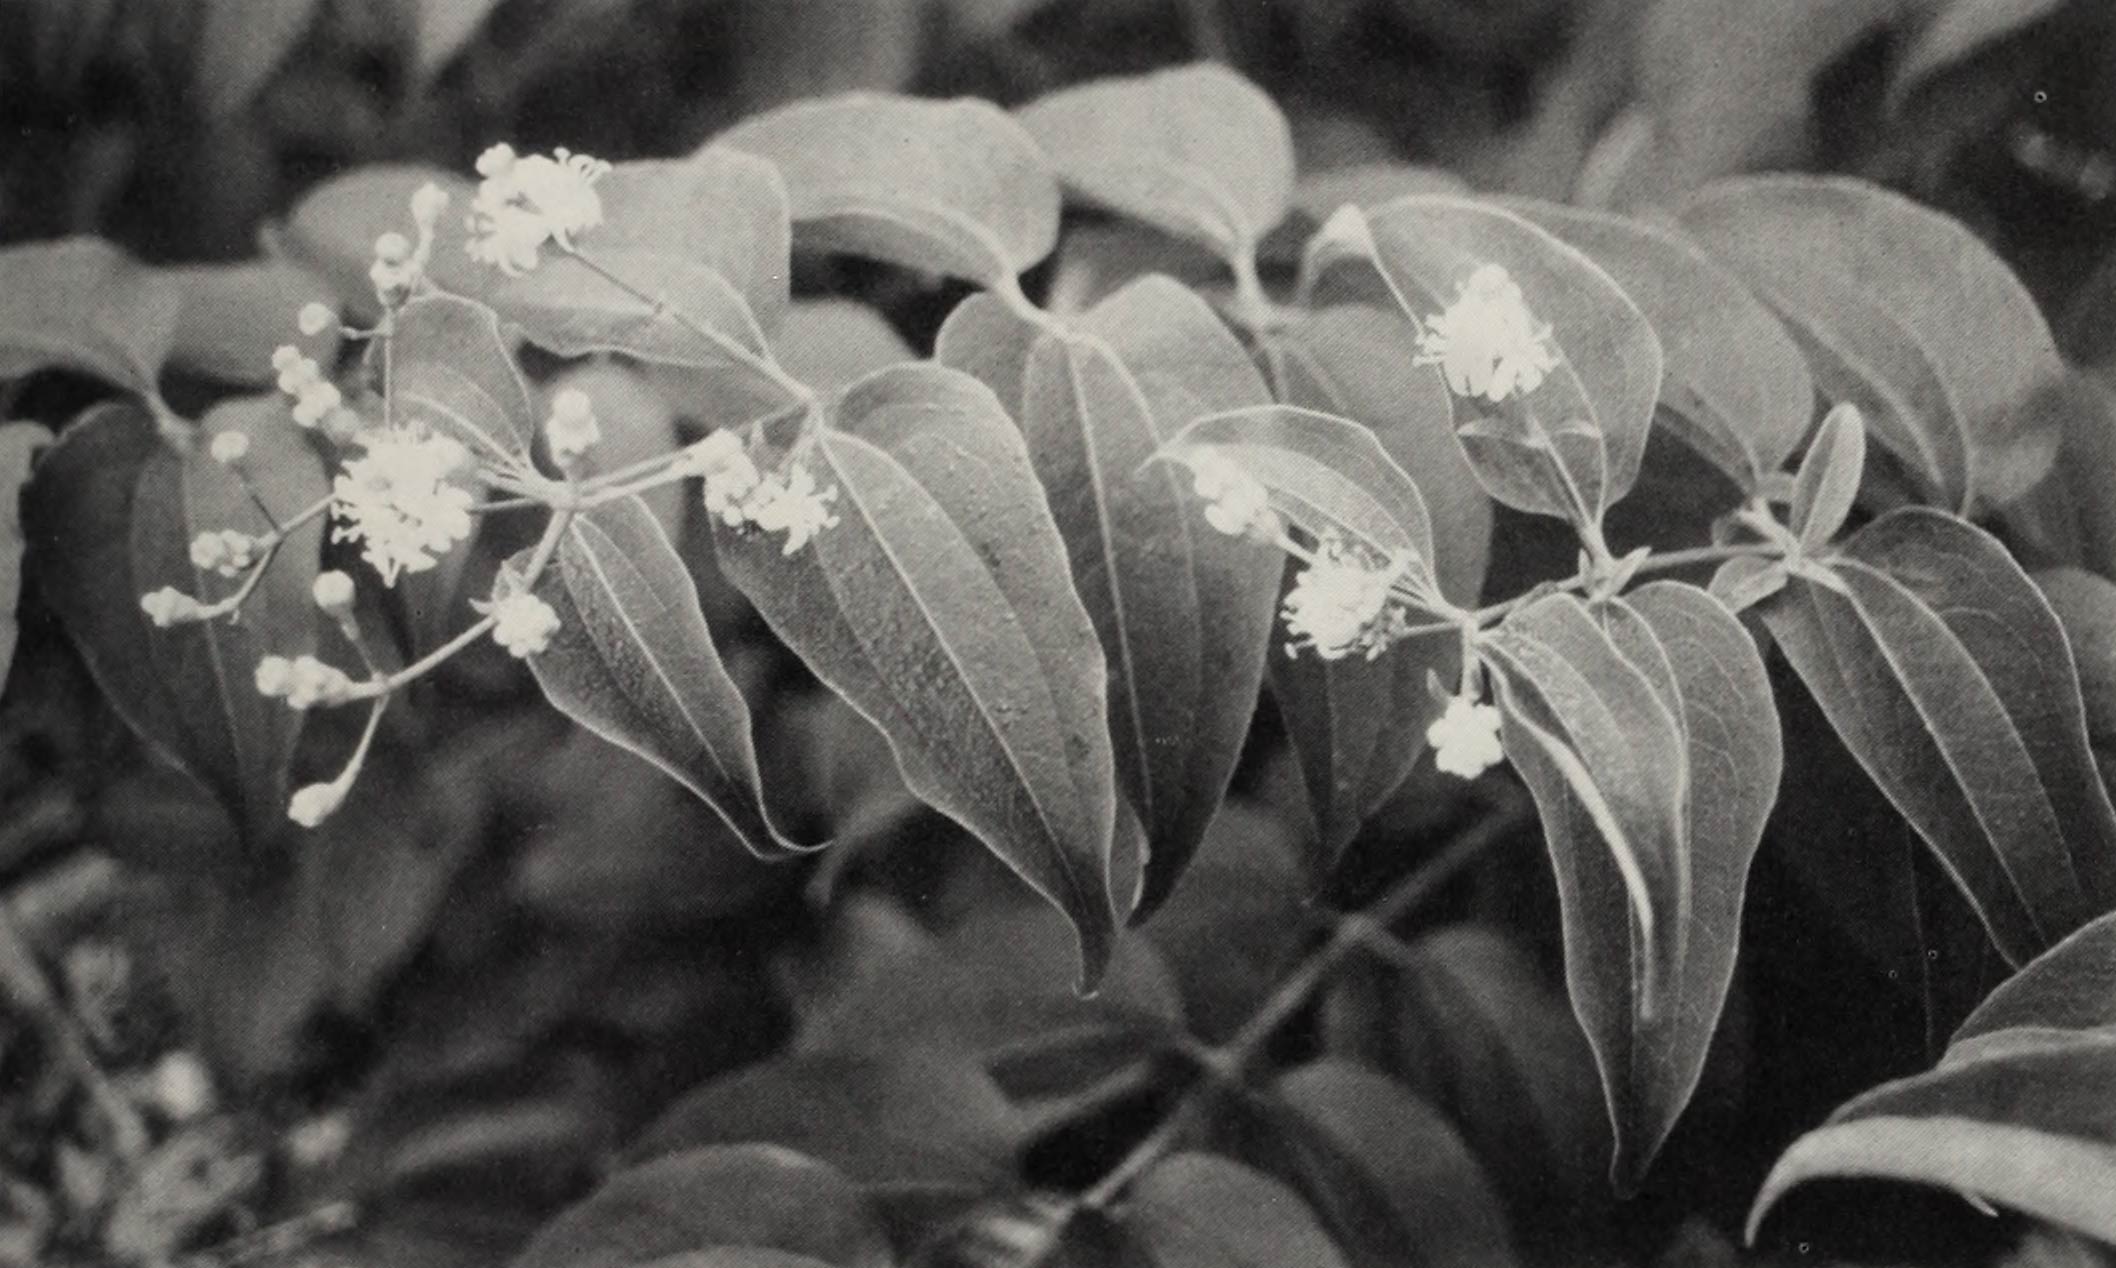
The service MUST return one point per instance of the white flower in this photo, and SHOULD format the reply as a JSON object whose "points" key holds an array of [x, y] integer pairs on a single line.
{"points": [[230, 447], [730, 476], [1237, 503], [521, 622], [791, 505], [317, 802], [1487, 343], [1340, 604], [524, 202], [315, 318], [398, 502], [1465, 739], [572, 428], [393, 248], [333, 592], [169, 606], [275, 677]]}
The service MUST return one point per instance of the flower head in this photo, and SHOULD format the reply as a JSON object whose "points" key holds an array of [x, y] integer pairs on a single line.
{"points": [[1341, 603], [1487, 343], [525, 201], [793, 505], [521, 622], [1465, 739], [1237, 503], [572, 428], [230, 447], [398, 501], [170, 606]]}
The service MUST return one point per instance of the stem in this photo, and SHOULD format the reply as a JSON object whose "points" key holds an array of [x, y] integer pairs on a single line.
{"points": [[762, 364], [1671, 561], [24, 981]]}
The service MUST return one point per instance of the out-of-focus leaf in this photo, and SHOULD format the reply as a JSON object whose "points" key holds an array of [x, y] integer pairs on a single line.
{"points": [[814, 48], [2069, 517], [1363, 185], [118, 510], [991, 343], [1955, 30], [2020, 1112], [1183, 611], [82, 304], [1733, 378], [941, 609], [916, 1122], [235, 315], [441, 30], [1200, 1211], [718, 1196], [1949, 678], [452, 369], [830, 344], [1230, 928], [1359, 725], [1889, 292], [241, 44], [19, 443], [2085, 604], [1097, 259], [1198, 151], [1387, 1172], [633, 662], [332, 229], [949, 187], [1585, 424], [737, 1257], [1828, 480]]}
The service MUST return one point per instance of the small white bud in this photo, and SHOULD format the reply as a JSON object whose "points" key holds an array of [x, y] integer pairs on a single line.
{"points": [[393, 248], [315, 803], [169, 606], [182, 1087], [427, 204], [315, 318], [230, 447], [285, 357], [333, 591], [275, 677], [208, 552], [572, 428], [496, 161]]}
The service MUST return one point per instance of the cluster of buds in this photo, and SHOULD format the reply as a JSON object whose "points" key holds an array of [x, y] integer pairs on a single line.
{"points": [[303, 682], [738, 495], [1487, 344], [228, 552], [525, 201], [1465, 738], [572, 429], [315, 397], [170, 606], [1236, 503], [521, 622], [400, 264]]}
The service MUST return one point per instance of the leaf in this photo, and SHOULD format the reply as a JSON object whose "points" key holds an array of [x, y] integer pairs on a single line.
{"points": [[1879, 279], [2085, 604], [912, 1122], [1359, 726], [1586, 423], [1949, 678], [1956, 31], [442, 29], [940, 609], [2069, 516], [241, 44], [991, 343], [1388, 1172], [829, 344], [1198, 151], [118, 510], [1733, 378], [235, 315], [949, 187], [2019, 1112], [1232, 927], [82, 304], [451, 368], [707, 237], [1364, 185], [1199, 1211], [813, 48], [721, 1196], [633, 662], [1828, 480], [19, 445], [1183, 611]]}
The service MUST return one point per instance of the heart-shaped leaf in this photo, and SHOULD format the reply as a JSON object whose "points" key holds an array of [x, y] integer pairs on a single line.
{"points": [[1949, 678], [633, 662], [940, 608], [1734, 380], [1828, 480], [1911, 317], [1566, 442], [1183, 611], [82, 304], [19, 443], [1198, 151], [1200, 1211], [2021, 1111], [750, 1195], [450, 367], [950, 187]]}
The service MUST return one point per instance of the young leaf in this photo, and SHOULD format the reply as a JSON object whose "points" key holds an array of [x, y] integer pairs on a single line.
{"points": [[1828, 481], [119, 510], [1199, 1211], [1198, 151], [1183, 611], [452, 369], [82, 304], [1733, 378], [1359, 725], [633, 662], [950, 187], [749, 1195], [1572, 445], [950, 626], [706, 236], [241, 44], [19, 443], [1881, 280], [2018, 1113], [1949, 678]]}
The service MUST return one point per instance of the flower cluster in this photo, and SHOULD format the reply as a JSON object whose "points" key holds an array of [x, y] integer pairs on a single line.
{"points": [[1487, 344], [303, 682], [1236, 503], [525, 201], [170, 606], [398, 501], [1343, 602], [521, 622], [228, 552], [315, 397], [572, 428], [1465, 739], [740, 496]]}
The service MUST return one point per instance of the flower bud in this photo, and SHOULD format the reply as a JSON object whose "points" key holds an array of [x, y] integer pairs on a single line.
{"points": [[275, 676], [393, 248], [333, 591], [230, 447], [169, 606], [315, 318], [427, 204], [315, 803]]}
